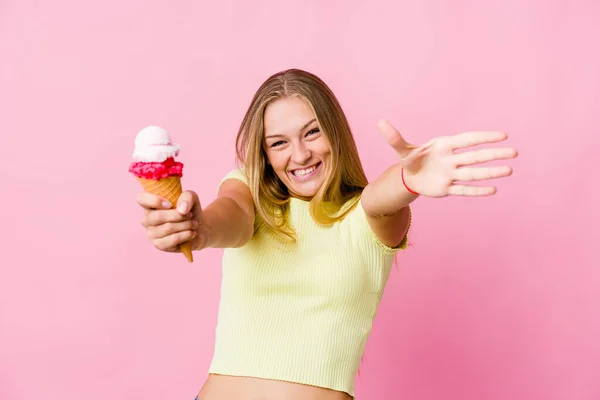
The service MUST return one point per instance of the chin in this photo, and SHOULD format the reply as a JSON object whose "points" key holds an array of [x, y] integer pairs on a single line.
{"points": [[305, 192]]}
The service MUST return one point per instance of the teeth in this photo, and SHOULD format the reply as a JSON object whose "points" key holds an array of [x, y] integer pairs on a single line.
{"points": [[302, 172]]}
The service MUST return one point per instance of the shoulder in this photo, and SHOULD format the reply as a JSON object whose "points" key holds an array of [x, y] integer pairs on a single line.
{"points": [[234, 185], [236, 181], [237, 174]]}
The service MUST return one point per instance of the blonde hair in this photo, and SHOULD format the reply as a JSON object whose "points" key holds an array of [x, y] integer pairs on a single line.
{"points": [[345, 175]]}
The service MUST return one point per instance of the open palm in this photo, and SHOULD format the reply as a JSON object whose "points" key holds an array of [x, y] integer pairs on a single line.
{"points": [[436, 169]]}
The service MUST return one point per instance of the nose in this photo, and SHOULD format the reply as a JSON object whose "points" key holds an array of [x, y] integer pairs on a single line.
{"points": [[300, 154]]}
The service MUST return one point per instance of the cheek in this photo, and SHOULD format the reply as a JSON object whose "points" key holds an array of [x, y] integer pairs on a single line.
{"points": [[323, 148], [277, 160]]}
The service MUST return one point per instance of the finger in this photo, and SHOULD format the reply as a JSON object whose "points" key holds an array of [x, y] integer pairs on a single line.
{"points": [[465, 190], [468, 139], [186, 202], [480, 174], [483, 156], [393, 137], [170, 228], [152, 202], [170, 243], [159, 217]]}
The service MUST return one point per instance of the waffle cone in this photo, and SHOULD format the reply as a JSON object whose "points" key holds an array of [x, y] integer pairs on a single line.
{"points": [[170, 189]]}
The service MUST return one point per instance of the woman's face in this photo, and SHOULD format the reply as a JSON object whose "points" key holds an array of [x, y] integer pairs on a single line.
{"points": [[295, 146]]}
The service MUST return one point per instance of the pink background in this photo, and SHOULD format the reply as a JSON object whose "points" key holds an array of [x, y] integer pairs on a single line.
{"points": [[498, 298]]}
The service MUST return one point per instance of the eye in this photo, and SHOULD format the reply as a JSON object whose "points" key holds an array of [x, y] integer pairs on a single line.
{"points": [[313, 131], [279, 143]]}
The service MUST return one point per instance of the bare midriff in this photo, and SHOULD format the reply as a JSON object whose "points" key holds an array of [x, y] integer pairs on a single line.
{"points": [[220, 387]]}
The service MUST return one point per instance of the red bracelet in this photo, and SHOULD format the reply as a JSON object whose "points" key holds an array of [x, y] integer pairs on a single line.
{"points": [[407, 188]]}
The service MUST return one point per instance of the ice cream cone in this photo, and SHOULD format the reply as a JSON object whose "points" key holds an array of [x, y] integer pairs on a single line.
{"points": [[168, 188], [156, 169]]}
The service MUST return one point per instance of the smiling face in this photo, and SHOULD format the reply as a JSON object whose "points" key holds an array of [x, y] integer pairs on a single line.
{"points": [[296, 149]]}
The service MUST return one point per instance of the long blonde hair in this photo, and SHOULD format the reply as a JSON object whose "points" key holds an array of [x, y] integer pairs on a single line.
{"points": [[346, 178]]}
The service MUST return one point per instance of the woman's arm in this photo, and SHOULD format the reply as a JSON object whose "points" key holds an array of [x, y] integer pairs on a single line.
{"points": [[386, 204], [434, 169], [229, 220]]}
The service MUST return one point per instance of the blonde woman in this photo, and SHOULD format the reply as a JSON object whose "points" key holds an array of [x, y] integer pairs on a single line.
{"points": [[309, 241]]}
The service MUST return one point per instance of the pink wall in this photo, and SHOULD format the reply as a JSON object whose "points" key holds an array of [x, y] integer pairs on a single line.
{"points": [[498, 298]]}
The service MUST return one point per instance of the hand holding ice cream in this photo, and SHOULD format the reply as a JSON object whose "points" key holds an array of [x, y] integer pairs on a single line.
{"points": [[159, 174]]}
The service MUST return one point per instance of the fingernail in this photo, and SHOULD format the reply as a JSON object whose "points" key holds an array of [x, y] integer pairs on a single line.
{"points": [[183, 207], [167, 204]]}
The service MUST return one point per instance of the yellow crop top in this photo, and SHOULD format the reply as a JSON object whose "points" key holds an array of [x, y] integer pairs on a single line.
{"points": [[303, 312]]}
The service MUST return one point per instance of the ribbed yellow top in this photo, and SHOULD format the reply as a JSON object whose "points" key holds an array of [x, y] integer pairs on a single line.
{"points": [[303, 312]]}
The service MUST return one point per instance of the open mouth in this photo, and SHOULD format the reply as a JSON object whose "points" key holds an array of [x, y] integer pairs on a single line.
{"points": [[305, 173]]}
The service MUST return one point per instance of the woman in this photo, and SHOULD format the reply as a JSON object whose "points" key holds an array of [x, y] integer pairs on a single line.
{"points": [[309, 241]]}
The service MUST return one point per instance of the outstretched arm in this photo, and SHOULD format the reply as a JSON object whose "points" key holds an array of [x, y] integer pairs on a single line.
{"points": [[226, 222], [229, 219], [433, 169]]}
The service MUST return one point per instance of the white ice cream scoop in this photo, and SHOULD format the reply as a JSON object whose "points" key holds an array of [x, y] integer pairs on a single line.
{"points": [[153, 144]]}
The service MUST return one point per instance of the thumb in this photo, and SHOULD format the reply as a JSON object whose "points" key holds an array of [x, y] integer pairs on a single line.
{"points": [[393, 137], [188, 201]]}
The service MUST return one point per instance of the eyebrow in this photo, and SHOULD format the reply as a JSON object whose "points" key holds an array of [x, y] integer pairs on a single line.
{"points": [[301, 129]]}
